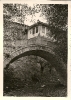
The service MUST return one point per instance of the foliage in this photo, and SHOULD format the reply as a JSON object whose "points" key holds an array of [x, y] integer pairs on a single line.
{"points": [[58, 20], [12, 9]]}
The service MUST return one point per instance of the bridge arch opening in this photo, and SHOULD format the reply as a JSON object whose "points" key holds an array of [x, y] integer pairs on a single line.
{"points": [[55, 61]]}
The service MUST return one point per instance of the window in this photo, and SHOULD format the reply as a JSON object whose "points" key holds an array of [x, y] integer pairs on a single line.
{"points": [[36, 29], [43, 29], [30, 32], [47, 32]]}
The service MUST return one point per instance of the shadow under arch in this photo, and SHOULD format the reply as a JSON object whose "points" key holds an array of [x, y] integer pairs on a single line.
{"points": [[54, 59]]}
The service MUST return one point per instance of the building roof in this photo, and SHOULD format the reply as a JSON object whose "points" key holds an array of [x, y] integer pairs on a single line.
{"points": [[39, 23]]}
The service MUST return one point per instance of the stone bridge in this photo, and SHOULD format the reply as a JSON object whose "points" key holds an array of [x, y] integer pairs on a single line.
{"points": [[44, 48]]}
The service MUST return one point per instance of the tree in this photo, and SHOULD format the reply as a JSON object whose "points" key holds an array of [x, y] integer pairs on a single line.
{"points": [[10, 8], [57, 17], [59, 20]]}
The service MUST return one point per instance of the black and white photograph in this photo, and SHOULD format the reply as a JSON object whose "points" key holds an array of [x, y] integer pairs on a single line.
{"points": [[35, 49]]}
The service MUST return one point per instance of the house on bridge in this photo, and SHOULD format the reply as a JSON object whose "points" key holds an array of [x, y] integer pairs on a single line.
{"points": [[41, 29]]}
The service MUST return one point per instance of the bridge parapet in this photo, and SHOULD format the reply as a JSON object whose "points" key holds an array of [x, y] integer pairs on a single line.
{"points": [[35, 40], [36, 43], [41, 41]]}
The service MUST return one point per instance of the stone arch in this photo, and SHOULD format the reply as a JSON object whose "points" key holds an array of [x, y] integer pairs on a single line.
{"points": [[48, 55]]}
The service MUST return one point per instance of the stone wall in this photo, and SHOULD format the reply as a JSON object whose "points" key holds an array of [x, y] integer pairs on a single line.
{"points": [[13, 30], [12, 33]]}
